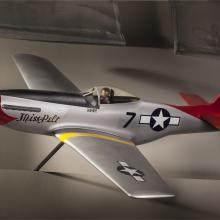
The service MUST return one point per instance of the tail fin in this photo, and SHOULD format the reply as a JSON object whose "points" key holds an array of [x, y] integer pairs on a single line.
{"points": [[192, 99], [216, 101], [212, 115]]}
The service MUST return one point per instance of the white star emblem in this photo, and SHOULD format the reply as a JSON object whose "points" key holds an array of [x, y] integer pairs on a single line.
{"points": [[126, 169], [131, 171], [159, 120]]}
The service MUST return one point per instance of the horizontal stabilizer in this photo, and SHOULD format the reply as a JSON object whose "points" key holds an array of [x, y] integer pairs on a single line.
{"points": [[212, 120], [209, 112], [216, 101], [192, 99]]}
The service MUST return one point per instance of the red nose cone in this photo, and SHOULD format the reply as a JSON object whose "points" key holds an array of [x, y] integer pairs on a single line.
{"points": [[4, 119]]}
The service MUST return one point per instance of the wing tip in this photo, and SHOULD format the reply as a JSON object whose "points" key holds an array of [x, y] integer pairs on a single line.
{"points": [[19, 56], [151, 196], [159, 196], [16, 56]]}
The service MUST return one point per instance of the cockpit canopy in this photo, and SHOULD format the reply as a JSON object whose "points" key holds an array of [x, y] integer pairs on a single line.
{"points": [[107, 95]]}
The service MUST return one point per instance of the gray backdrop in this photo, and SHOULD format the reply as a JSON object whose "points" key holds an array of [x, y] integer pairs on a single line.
{"points": [[189, 163]]}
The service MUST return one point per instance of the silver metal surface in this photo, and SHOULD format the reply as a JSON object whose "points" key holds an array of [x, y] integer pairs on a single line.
{"points": [[109, 118], [109, 156], [119, 161], [188, 163], [40, 74]]}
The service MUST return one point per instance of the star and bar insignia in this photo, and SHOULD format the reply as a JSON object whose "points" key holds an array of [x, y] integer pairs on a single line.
{"points": [[159, 119], [131, 171]]}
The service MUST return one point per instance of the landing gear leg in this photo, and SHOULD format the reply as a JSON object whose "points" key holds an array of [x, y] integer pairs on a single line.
{"points": [[45, 160]]}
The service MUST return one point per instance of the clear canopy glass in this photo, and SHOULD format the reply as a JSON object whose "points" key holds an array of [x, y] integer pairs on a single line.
{"points": [[107, 95]]}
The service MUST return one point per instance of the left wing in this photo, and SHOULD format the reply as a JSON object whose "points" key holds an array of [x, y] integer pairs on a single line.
{"points": [[40, 74], [120, 161]]}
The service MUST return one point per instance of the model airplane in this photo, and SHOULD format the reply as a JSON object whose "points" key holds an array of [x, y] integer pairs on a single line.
{"points": [[103, 124]]}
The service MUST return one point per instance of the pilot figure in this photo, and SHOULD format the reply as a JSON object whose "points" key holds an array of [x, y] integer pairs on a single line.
{"points": [[106, 95]]}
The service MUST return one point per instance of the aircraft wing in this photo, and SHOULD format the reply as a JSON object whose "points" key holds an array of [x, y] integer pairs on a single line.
{"points": [[120, 161], [40, 74]]}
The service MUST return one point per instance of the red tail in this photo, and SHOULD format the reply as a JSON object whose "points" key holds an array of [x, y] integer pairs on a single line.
{"points": [[198, 107], [192, 99], [216, 101]]}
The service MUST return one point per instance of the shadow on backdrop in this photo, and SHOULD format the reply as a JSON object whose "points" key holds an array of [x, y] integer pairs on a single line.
{"points": [[182, 208], [161, 80], [87, 181], [195, 174]]}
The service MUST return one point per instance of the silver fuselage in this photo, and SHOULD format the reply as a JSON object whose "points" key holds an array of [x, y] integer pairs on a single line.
{"points": [[47, 118]]}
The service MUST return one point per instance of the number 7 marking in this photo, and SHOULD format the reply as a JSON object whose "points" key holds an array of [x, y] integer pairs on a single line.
{"points": [[132, 114]]}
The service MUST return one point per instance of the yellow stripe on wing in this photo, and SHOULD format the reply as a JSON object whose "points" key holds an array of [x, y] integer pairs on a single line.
{"points": [[65, 136]]}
